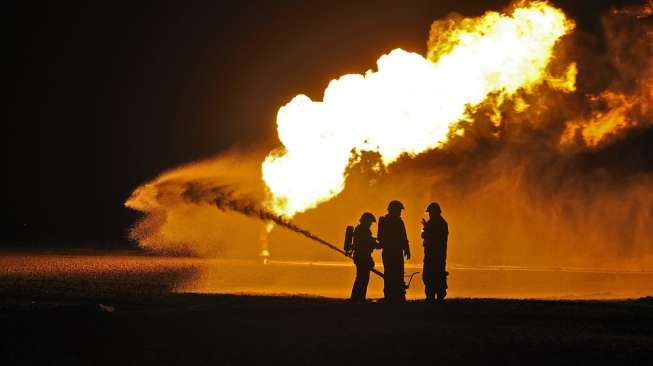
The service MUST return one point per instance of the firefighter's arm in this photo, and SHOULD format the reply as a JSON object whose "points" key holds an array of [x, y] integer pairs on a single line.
{"points": [[379, 232], [406, 249], [423, 229], [405, 237], [376, 243], [446, 242]]}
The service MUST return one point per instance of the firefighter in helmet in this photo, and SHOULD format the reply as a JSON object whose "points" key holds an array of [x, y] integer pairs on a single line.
{"points": [[394, 242], [435, 233], [364, 244]]}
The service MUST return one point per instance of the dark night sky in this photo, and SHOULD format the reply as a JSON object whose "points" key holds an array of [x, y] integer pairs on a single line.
{"points": [[109, 94]]}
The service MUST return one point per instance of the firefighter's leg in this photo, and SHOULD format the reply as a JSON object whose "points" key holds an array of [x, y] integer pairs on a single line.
{"points": [[354, 290], [357, 289], [384, 259], [442, 293], [401, 285], [365, 280], [388, 278], [427, 276], [442, 285], [425, 279], [441, 278], [394, 287]]}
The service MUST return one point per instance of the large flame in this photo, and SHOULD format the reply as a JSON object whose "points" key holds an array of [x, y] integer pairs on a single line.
{"points": [[615, 111], [411, 103], [600, 124]]}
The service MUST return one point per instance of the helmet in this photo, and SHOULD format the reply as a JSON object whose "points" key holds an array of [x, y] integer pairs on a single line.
{"points": [[395, 205], [433, 207], [367, 217]]}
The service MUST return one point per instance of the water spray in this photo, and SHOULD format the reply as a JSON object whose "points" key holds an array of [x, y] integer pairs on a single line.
{"points": [[226, 199]]}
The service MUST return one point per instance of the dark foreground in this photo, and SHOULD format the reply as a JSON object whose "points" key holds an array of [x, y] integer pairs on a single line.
{"points": [[229, 330], [70, 309]]}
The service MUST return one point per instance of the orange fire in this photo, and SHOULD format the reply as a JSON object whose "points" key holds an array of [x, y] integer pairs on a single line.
{"points": [[601, 124], [613, 113], [411, 103]]}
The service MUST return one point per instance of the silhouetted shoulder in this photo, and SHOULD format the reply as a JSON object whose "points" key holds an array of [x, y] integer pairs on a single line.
{"points": [[444, 225]]}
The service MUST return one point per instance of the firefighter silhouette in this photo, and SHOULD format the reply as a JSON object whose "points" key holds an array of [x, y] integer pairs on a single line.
{"points": [[363, 245], [394, 242], [435, 233]]}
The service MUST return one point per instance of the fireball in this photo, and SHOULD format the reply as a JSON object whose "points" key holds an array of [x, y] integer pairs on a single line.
{"points": [[411, 103]]}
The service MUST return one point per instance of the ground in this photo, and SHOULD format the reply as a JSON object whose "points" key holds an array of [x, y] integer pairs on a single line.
{"points": [[100, 320]]}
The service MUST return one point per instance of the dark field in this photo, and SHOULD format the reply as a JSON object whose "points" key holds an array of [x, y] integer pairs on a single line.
{"points": [[67, 310]]}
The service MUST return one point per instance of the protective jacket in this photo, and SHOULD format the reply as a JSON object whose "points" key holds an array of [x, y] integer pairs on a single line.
{"points": [[364, 244], [435, 234], [394, 242], [392, 234]]}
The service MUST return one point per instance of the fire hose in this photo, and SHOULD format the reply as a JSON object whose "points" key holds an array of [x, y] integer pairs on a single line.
{"points": [[225, 200], [380, 274], [374, 270]]}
